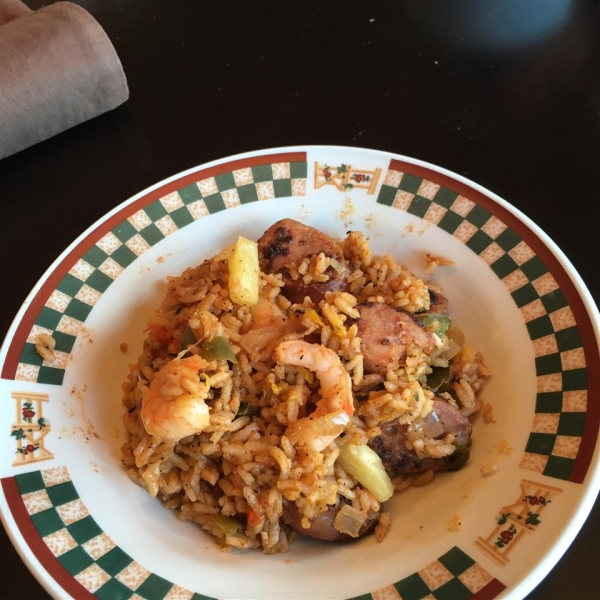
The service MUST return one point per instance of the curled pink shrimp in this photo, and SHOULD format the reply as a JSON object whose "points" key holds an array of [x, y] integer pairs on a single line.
{"points": [[335, 407], [173, 405]]}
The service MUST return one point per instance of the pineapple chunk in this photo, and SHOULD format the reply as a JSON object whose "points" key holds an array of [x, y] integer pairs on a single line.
{"points": [[364, 464], [244, 273]]}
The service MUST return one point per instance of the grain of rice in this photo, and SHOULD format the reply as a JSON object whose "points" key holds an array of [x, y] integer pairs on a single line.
{"points": [[489, 469], [241, 542], [424, 479], [173, 503], [335, 319], [285, 464], [434, 261], [151, 479], [439, 450], [402, 483], [383, 525], [354, 276], [356, 249], [487, 411], [465, 395], [179, 462], [346, 303], [322, 263]]}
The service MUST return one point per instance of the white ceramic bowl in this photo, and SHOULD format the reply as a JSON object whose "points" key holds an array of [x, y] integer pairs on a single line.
{"points": [[67, 502]]}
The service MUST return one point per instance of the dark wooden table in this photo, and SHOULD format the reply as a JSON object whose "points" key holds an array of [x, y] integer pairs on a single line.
{"points": [[506, 92]]}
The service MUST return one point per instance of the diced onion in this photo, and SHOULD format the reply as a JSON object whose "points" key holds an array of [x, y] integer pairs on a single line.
{"points": [[256, 340], [338, 266], [455, 333], [451, 351], [432, 426], [349, 520]]}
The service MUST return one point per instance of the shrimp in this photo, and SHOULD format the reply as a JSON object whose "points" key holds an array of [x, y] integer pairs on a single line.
{"points": [[336, 406], [173, 405]]}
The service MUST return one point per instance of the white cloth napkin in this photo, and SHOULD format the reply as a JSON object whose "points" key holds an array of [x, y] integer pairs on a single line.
{"points": [[58, 68]]}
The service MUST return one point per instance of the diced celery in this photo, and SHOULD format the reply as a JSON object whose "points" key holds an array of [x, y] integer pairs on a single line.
{"points": [[438, 324], [228, 525], [365, 465]]}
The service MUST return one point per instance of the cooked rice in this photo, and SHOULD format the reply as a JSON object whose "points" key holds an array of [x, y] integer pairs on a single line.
{"points": [[487, 412], [433, 262], [383, 525], [243, 468], [44, 346], [455, 524], [489, 469]]}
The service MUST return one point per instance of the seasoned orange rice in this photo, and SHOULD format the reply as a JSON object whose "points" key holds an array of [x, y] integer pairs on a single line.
{"points": [[235, 477]]}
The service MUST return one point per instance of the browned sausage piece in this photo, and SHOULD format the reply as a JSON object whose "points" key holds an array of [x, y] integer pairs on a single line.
{"points": [[289, 242], [385, 332], [438, 303], [321, 527], [453, 421], [398, 459]]}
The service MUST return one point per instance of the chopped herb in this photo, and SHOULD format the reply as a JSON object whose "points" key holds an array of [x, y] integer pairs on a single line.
{"points": [[228, 525]]}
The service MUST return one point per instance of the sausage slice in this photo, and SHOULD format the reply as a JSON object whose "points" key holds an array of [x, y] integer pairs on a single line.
{"points": [[438, 303], [385, 333], [398, 459], [321, 527], [289, 242]]}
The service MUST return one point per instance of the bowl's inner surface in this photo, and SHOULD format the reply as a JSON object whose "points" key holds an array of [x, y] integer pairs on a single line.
{"points": [[91, 417]]}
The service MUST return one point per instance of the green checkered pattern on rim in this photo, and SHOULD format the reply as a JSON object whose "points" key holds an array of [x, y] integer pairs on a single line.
{"points": [[77, 293], [82, 548], [560, 364], [453, 576], [108, 572]]}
